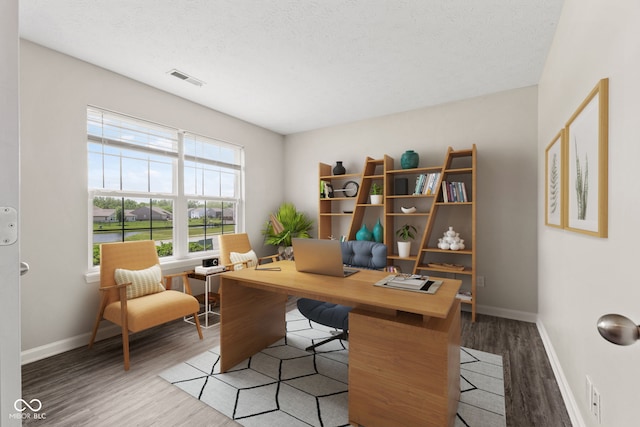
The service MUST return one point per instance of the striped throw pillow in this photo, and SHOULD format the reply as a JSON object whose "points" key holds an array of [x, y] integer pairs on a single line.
{"points": [[237, 259], [143, 282]]}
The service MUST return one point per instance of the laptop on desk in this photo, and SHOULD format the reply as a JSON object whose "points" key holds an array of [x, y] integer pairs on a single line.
{"points": [[320, 257]]}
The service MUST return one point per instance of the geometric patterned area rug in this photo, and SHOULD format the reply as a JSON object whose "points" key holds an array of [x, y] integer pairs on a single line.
{"points": [[284, 385]]}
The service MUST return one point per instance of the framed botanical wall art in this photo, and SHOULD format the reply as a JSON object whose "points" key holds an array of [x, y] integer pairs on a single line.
{"points": [[586, 164], [554, 182]]}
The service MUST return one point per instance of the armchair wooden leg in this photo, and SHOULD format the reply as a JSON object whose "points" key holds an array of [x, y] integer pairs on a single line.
{"points": [[197, 322], [103, 304], [124, 321], [125, 347]]}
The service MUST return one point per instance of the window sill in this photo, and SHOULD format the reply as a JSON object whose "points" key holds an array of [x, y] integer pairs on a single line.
{"points": [[168, 266]]}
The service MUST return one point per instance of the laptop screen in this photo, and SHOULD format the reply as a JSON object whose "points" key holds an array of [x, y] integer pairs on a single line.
{"points": [[318, 256]]}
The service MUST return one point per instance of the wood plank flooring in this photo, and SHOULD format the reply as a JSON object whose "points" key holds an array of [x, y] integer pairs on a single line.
{"points": [[90, 388]]}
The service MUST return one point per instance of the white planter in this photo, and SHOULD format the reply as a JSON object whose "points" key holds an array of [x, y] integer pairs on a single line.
{"points": [[404, 249], [376, 199]]}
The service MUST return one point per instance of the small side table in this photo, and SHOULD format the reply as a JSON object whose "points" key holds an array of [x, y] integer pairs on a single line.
{"points": [[208, 300]]}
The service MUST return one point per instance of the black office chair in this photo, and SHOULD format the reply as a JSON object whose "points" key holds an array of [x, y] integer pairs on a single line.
{"points": [[356, 253]]}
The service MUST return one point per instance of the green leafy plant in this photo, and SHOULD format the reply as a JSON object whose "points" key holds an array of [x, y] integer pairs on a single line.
{"points": [[406, 232], [286, 224], [582, 184], [376, 189]]}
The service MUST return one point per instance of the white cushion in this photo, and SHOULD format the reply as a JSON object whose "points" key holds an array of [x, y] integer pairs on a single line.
{"points": [[143, 282], [237, 259]]}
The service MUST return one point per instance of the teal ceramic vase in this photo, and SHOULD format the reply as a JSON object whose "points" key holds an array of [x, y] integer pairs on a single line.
{"points": [[409, 159], [364, 233], [378, 232]]}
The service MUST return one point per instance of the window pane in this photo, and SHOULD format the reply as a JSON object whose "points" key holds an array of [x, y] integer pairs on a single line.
{"points": [[211, 184], [135, 175], [208, 219], [228, 184], [116, 219], [212, 168], [161, 177]]}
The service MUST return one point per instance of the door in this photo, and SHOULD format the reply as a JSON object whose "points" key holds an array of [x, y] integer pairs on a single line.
{"points": [[10, 371]]}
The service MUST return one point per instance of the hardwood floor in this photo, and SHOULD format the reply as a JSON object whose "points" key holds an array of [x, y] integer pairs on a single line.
{"points": [[90, 388]]}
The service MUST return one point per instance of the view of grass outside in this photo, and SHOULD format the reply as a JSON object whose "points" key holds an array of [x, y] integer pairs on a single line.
{"points": [[116, 220]]}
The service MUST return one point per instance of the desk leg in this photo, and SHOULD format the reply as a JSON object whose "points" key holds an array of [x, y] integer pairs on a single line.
{"points": [[404, 370], [250, 320]]}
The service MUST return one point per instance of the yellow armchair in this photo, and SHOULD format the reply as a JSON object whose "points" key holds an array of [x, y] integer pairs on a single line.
{"points": [[238, 243], [134, 314]]}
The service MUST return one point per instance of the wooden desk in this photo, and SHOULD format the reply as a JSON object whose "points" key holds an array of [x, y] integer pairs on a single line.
{"points": [[404, 347]]}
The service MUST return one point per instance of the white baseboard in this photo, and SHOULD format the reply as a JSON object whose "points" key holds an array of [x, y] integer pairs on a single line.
{"points": [[569, 399], [54, 348], [504, 312]]}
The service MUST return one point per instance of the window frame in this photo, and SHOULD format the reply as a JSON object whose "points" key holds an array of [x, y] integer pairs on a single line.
{"points": [[181, 255]]}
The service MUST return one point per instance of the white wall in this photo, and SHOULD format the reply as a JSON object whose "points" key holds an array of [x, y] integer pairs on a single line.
{"points": [[582, 277], [503, 126], [58, 306]]}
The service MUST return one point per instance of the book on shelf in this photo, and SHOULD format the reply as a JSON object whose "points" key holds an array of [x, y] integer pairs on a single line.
{"points": [[464, 295], [425, 183], [454, 192]]}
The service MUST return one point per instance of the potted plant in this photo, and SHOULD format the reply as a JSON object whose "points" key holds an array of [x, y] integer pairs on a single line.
{"points": [[286, 224], [405, 233], [376, 194]]}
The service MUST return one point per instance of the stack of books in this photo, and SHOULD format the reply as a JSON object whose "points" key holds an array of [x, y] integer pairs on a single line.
{"points": [[426, 183], [414, 283], [454, 192]]}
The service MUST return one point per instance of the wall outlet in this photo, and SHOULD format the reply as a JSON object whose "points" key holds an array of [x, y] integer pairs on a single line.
{"points": [[480, 281]]}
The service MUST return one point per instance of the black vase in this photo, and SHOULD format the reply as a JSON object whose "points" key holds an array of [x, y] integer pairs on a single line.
{"points": [[339, 169]]}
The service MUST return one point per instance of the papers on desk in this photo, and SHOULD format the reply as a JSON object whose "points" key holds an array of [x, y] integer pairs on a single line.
{"points": [[413, 283]]}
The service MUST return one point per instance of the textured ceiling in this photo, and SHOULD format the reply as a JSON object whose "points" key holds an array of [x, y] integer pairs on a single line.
{"points": [[295, 65]]}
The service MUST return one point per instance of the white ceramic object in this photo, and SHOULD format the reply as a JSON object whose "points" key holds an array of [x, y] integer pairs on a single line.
{"points": [[376, 199], [408, 210], [404, 249]]}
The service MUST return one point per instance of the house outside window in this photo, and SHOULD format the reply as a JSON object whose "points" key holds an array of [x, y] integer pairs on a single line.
{"points": [[148, 181]]}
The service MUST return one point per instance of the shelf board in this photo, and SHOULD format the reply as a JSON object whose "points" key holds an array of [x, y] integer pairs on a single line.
{"points": [[416, 170], [466, 270], [409, 214], [458, 171], [335, 214], [454, 203], [370, 204], [408, 196], [448, 251], [333, 199], [396, 256], [381, 176], [344, 176]]}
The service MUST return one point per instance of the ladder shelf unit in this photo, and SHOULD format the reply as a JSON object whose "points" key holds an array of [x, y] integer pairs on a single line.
{"points": [[433, 213], [459, 166]]}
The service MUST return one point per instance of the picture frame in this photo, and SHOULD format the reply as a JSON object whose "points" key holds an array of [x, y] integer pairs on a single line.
{"points": [[554, 181], [586, 164]]}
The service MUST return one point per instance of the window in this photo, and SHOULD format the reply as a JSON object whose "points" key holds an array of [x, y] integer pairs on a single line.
{"points": [[148, 181]]}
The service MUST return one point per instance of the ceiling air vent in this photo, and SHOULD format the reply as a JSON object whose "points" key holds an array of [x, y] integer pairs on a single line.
{"points": [[186, 77]]}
